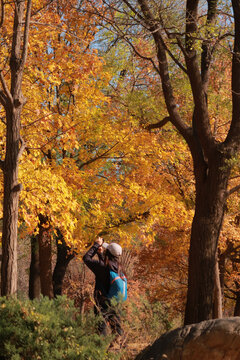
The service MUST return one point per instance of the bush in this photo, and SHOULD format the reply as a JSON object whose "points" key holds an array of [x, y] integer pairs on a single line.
{"points": [[145, 321], [48, 330]]}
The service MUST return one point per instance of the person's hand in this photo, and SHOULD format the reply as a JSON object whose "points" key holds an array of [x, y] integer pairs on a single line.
{"points": [[99, 241]]}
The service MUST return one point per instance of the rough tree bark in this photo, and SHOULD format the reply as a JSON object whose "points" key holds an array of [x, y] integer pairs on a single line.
{"points": [[12, 100], [218, 294], [211, 196], [45, 256], [34, 275], [64, 256], [41, 279]]}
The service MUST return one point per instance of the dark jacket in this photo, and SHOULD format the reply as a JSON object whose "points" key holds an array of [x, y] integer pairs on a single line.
{"points": [[98, 267]]}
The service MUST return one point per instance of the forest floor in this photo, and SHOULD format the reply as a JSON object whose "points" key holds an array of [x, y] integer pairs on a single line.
{"points": [[129, 350]]}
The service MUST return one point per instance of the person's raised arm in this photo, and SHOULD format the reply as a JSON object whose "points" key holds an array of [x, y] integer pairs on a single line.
{"points": [[91, 263]]}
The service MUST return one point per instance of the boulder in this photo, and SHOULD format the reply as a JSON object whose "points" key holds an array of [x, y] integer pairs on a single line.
{"points": [[217, 339]]}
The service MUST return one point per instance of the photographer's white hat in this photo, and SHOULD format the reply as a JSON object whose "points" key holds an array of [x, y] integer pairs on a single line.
{"points": [[114, 248]]}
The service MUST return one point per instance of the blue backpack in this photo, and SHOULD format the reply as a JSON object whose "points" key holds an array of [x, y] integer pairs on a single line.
{"points": [[118, 286]]}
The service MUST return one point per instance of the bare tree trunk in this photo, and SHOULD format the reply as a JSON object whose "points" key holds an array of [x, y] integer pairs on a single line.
{"points": [[82, 295], [10, 207], [217, 305], [45, 257], [237, 303], [206, 227], [13, 101], [237, 291], [64, 256], [34, 276]]}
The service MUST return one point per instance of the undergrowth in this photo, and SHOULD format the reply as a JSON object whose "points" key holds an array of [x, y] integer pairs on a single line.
{"points": [[54, 329], [49, 330]]}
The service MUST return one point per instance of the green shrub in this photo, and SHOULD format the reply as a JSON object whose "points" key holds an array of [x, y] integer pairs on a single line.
{"points": [[145, 321], [48, 330]]}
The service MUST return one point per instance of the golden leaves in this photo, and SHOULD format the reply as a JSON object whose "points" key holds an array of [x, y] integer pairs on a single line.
{"points": [[89, 166]]}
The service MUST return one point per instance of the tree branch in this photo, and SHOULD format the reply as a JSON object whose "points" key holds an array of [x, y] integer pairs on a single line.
{"points": [[174, 58], [5, 88], [170, 36], [233, 190], [164, 72], [120, 222], [142, 56], [43, 7], [233, 137], [2, 165], [206, 55], [22, 147], [100, 156], [133, 10], [26, 33], [3, 98], [2, 13], [201, 124], [159, 124]]}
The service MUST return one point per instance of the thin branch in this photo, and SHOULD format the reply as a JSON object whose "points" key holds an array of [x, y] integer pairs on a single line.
{"points": [[120, 222], [3, 98], [26, 32], [220, 38], [5, 88], [158, 125], [37, 120], [133, 10], [43, 7], [2, 165], [234, 177], [233, 137], [174, 58], [98, 156], [22, 147], [173, 280], [206, 56], [164, 73], [235, 259], [123, 36], [55, 137], [2, 13], [137, 217], [2, 120], [142, 56], [170, 36], [233, 190], [231, 290]]}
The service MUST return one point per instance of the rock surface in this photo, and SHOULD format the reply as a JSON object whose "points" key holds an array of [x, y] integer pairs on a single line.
{"points": [[217, 339]]}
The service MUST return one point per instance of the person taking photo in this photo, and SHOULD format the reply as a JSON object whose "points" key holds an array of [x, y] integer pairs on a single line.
{"points": [[108, 258]]}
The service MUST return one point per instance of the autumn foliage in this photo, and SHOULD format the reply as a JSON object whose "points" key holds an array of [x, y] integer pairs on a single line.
{"points": [[102, 155]]}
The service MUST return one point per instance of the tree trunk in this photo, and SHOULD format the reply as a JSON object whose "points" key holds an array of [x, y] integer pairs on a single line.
{"points": [[237, 292], [211, 192], [217, 305], [12, 100], [34, 276], [10, 205], [64, 256], [237, 304], [45, 257], [222, 269]]}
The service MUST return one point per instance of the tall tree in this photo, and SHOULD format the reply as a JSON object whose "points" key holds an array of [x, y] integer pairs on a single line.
{"points": [[189, 39], [12, 100]]}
